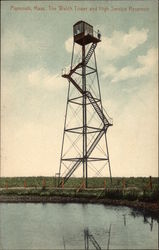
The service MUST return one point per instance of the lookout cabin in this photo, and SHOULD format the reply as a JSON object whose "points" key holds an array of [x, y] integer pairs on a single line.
{"points": [[84, 34]]}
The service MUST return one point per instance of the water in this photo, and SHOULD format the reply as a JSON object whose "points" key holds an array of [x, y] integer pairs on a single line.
{"points": [[75, 226]]}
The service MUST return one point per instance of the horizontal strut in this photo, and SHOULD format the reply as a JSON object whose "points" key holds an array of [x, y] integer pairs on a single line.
{"points": [[98, 110]]}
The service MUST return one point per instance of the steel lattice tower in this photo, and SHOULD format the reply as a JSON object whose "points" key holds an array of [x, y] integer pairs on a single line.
{"points": [[84, 131]]}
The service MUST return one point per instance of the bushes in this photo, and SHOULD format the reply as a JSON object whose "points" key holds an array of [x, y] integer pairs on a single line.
{"points": [[150, 196], [136, 188], [113, 194], [131, 195]]}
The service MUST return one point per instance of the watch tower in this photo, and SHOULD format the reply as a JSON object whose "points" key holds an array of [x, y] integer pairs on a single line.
{"points": [[84, 146]]}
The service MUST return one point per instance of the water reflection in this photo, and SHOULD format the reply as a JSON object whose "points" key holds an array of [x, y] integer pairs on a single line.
{"points": [[124, 216], [64, 244], [75, 226], [92, 239], [147, 219], [89, 238]]}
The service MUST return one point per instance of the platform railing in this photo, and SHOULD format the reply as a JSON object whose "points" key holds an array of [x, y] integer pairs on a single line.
{"points": [[97, 34]]}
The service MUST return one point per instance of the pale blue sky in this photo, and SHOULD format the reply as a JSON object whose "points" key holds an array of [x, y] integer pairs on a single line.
{"points": [[36, 46]]}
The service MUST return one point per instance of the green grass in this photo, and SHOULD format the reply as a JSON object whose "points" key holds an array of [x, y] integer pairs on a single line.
{"points": [[135, 188], [139, 182]]}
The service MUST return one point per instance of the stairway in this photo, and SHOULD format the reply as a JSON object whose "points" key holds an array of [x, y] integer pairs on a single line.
{"points": [[96, 107], [91, 148], [86, 59], [90, 52], [98, 110], [75, 68], [92, 100]]}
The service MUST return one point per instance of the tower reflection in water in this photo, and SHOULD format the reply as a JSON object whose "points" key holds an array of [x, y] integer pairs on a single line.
{"points": [[91, 240], [147, 219]]}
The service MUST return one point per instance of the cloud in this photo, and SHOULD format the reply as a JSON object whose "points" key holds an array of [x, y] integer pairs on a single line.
{"points": [[11, 44], [32, 149], [149, 60], [120, 43], [133, 139], [109, 70], [32, 95], [43, 78], [147, 64], [32, 123], [69, 46], [15, 42]]}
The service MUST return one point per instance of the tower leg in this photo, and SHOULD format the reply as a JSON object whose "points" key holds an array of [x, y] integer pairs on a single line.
{"points": [[108, 158], [84, 106], [68, 93], [102, 109]]}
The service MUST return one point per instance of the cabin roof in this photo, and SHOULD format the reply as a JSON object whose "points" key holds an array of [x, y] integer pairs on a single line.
{"points": [[82, 22]]}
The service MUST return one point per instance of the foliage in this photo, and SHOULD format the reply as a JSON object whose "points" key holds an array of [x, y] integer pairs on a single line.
{"points": [[122, 188]]}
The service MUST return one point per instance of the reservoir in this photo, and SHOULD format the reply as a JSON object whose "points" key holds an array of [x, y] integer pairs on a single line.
{"points": [[75, 226]]}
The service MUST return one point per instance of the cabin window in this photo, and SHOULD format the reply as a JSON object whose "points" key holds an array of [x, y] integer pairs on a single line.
{"points": [[78, 29], [88, 29]]}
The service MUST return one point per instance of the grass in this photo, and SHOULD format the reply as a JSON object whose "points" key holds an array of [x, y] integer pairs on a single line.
{"points": [[138, 182], [135, 188]]}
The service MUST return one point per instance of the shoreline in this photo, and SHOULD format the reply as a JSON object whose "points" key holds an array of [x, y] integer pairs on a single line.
{"points": [[148, 208]]}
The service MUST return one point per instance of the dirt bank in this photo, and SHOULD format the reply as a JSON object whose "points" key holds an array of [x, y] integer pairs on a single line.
{"points": [[146, 207]]}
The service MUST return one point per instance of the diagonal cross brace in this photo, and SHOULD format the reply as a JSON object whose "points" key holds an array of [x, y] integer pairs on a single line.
{"points": [[96, 107], [91, 148]]}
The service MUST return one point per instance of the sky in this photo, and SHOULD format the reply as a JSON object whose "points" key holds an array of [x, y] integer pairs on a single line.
{"points": [[36, 43]]}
